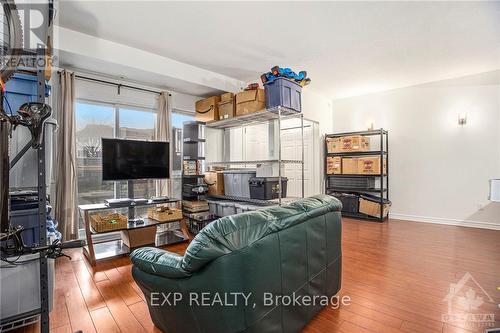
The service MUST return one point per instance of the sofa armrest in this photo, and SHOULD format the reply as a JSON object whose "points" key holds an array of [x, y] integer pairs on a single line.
{"points": [[159, 262]]}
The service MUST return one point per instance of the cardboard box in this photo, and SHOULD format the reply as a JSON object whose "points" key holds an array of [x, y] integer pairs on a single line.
{"points": [[349, 165], [250, 101], [370, 165], [354, 143], [207, 109], [226, 109], [226, 97], [372, 208], [334, 165], [139, 237], [333, 145], [215, 182], [195, 206], [347, 144]]}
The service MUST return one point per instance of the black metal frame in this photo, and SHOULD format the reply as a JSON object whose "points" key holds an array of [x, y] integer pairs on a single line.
{"points": [[42, 205], [383, 152], [191, 179]]}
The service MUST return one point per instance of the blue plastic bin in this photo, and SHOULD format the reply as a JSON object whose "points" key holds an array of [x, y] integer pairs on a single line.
{"points": [[20, 89], [284, 92]]}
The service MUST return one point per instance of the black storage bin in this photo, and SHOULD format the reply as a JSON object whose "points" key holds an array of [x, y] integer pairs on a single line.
{"points": [[194, 189], [350, 202], [266, 188], [195, 226], [284, 92], [351, 182]]}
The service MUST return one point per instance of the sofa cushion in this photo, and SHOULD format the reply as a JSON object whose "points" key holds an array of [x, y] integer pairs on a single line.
{"points": [[235, 232]]}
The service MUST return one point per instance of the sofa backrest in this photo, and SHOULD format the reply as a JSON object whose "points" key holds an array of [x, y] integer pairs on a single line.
{"points": [[236, 232]]}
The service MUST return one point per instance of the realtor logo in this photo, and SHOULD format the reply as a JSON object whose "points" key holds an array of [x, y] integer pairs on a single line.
{"points": [[465, 299]]}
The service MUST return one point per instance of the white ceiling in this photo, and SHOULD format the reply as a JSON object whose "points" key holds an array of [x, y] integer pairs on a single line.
{"points": [[347, 48]]}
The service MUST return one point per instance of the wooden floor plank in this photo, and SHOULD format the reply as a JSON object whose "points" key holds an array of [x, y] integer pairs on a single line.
{"points": [[78, 313], [62, 329], [141, 313], [104, 321], [59, 314], [123, 286], [396, 274], [119, 310], [92, 296]]}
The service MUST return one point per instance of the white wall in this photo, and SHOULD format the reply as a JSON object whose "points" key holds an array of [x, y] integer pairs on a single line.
{"points": [[318, 108], [439, 171]]}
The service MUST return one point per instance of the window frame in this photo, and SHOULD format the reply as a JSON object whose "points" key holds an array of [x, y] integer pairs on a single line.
{"points": [[116, 107]]}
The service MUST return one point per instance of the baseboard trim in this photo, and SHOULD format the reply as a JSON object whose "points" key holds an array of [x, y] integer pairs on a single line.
{"points": [[440, 220]]}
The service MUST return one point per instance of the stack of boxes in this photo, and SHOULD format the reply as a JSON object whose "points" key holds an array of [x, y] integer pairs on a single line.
{"points": [[229, 105], [192, 168], [366, 165], [226, 106], [194, 205], [280, 92], [350, 165]]}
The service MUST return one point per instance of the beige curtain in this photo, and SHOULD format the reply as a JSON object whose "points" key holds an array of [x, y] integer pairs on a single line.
{"points": [[65, 208], [163, 133]]}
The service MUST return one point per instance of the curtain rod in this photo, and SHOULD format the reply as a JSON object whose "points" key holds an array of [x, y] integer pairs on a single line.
{"points": [[119, 85]]}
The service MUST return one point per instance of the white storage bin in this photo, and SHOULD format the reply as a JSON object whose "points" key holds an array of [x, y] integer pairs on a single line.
{"points": [[257, 207], [241, 208], [226, 208], [20, 286], [236, 182], [212, 207]]}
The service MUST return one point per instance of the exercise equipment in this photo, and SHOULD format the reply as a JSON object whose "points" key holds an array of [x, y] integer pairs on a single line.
{"points": [[34, 116], [14, 246], [276, 71]]}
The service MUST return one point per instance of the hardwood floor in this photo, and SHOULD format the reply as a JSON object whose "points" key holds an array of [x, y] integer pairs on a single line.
{"points": [[397, 275]]}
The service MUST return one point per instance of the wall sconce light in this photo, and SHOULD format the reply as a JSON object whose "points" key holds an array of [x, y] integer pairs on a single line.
{"points": [[462, 119]]}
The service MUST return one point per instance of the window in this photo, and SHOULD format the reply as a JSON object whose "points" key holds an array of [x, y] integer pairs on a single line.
{"points": [[99, 120], [93, 122], [178, 118]]}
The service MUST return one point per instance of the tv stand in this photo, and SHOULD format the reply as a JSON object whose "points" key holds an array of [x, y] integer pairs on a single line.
{"points": [[108, 249]]}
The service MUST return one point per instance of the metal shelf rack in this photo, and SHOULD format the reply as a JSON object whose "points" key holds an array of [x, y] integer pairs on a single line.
{"points": [[275, 114], [255, 162], [382, 191], [259, 202], [188, 143]]}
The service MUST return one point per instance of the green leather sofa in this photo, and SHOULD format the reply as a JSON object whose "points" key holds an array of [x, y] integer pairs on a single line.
{"points": [[293, 250]]}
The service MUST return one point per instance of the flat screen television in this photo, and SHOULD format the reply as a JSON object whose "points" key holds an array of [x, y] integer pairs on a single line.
{"points": [[133, 159]]}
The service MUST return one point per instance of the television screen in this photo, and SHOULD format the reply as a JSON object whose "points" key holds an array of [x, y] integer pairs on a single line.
{"points": [[131, 159]]}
